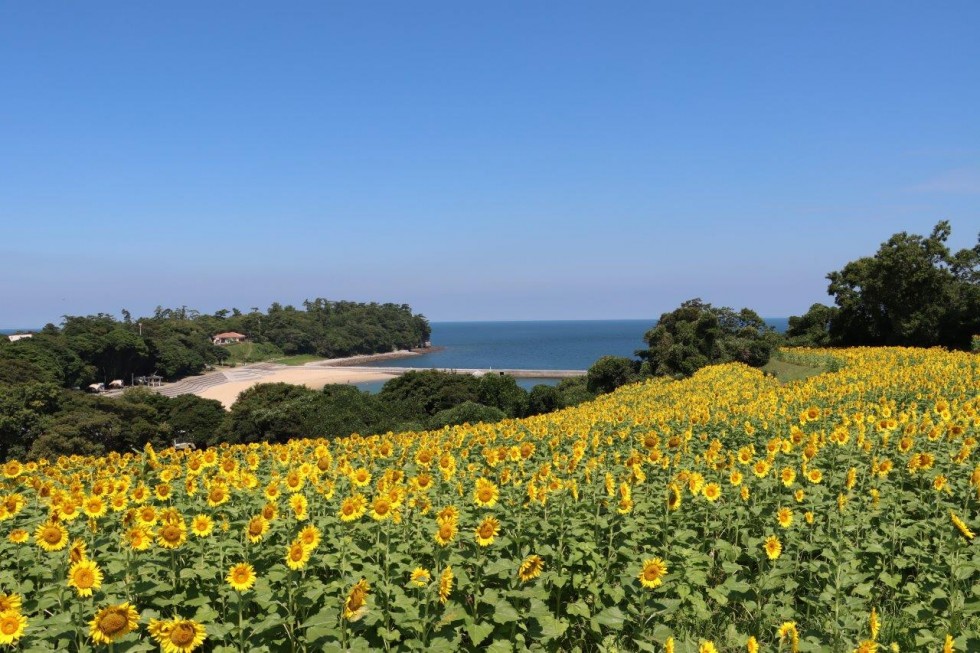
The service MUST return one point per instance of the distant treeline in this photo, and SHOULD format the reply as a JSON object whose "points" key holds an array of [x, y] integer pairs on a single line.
{"points": [[174, 343], [41, 420]]}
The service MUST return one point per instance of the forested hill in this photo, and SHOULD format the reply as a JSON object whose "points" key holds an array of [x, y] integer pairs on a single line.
{"points": [[178, 342]]}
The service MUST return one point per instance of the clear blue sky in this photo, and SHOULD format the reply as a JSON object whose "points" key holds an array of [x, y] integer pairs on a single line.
{"points": [[492, 160]]}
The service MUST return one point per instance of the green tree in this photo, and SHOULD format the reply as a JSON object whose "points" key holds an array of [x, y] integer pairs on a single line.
{"points": [[195, 419], [914, 291], [813, 328], [501, 391], [610, 372], [543, 399], [424, 393], [573, 391], [697, 334], [468, 412], [273, 412]]}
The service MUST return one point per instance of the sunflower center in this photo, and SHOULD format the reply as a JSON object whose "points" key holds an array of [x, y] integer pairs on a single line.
{"points": [[84, 578], [171, 533], [182, 634], [651, 573], [486, 530], [382, 506], [485, 494], [296, 553], [446, 531], [241, 575], [9, 626], [51, 535], [112, 623], [347, 509], [255, 528]]}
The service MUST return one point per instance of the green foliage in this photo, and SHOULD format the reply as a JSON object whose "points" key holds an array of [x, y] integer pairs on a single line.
{"points": [[426, 392], [194, 419], [23, 412], [697, 334], [501, 391], [813, 328], [574, 391], [269, 412], [543, 399], [611, 372], [328, 329], [975, 344], [468, 412], [177, 342], [913, 292], [251, 352]]}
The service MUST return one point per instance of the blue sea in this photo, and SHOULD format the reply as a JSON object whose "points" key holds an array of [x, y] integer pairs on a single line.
{"points": [[538, 345]]}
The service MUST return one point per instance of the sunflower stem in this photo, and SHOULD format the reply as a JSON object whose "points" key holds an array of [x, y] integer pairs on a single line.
{"points": [[241, 627]]}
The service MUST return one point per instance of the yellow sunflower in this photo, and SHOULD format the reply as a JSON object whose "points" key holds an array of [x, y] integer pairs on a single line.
{"points": [[76, 552], [785, 517], [486, 493], [177, 635], [241, 577], [352, 508], [10, 602], [310, 536], [381, 508], [360, 477], [51, 536], [446, 533], [531, 568], [256, 528], [773, 547], [421, 577], [12, 626], [218, 495], [653, 572], [171, 535], [202, 526], [711, 492], [961, 526], [85, 576], [138, 538], [355, 606], [445, 584], [95, 507], [299, 505], [113, 622], [487, 531], [448, 514], [297, 555], [18, 536]]}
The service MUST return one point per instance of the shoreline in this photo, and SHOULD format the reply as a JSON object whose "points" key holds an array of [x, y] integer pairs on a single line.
{"points": [[356, 361]]}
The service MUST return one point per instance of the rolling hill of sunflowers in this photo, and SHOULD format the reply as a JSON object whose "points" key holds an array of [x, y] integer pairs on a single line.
{"points": [[725, 512]]}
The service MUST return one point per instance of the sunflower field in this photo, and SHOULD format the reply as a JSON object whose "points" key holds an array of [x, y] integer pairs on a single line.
{"points": [[725, 512]]}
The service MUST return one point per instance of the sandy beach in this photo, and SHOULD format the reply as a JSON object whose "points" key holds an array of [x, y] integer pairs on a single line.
{"points": [[312, 376]]}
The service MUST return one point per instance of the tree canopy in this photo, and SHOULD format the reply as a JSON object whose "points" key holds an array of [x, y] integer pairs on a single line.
{"points": [[697, 334], [178, 342], [914, 291]]}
